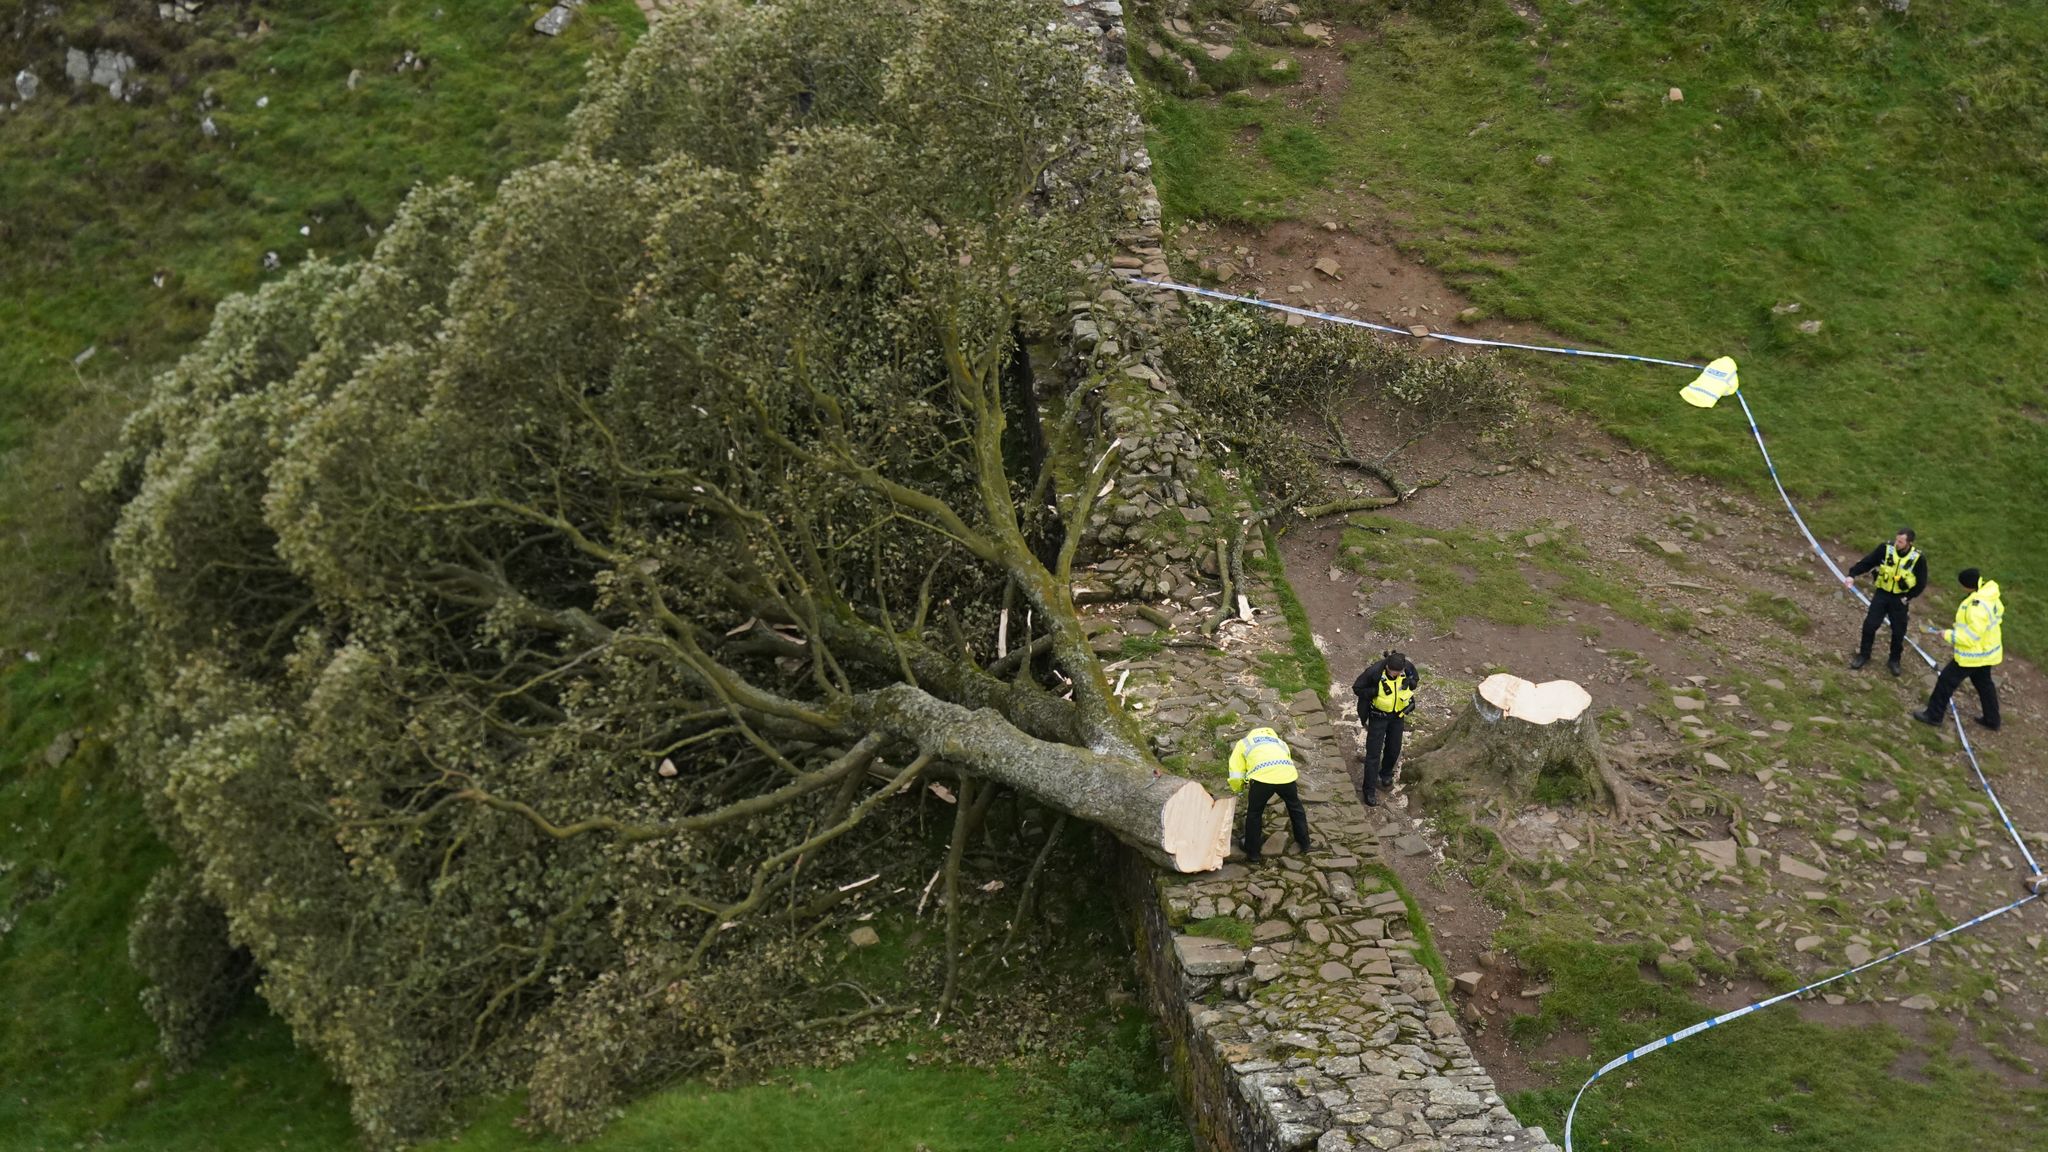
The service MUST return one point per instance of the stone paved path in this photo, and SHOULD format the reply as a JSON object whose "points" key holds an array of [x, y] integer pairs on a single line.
{"points": [[1329, 1030]]}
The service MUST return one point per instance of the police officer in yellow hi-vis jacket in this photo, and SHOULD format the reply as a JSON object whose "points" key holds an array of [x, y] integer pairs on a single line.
{"points": [[1386, 695], [1979, 647], [1262, 759], [1901, 576]]}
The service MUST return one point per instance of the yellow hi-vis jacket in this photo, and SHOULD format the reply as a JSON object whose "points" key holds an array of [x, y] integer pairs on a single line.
{"points": [[1262, 755], [1394, 695], [1976, 636], [1895, 575]]}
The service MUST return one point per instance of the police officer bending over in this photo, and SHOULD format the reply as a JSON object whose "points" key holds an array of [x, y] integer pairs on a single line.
{"points": [[1262, 759], [1386, 694], [1901, 575]]}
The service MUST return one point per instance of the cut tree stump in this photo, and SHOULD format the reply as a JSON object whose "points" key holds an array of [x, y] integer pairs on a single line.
{"points": [[1512, 735]]}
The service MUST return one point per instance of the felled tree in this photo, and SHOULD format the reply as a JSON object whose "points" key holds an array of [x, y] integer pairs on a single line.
{"points": [[537, 616]]}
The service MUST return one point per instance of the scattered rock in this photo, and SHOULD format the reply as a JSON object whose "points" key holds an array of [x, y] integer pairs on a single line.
{"points": [[1858, 954], [1806, 944], [1468, 982], [1328, 266], [1921, 1003], [1670, 547], [1810, 327], [1798, 869], [1219, 52], [1688, 703], [554, 20], [1675, 96], [1719, 853], [60, 749], [864, 937], [1545, 160], [1469, 316], [26, 85]]}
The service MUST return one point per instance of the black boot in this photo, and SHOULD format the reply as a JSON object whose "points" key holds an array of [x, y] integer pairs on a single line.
{"points": [[1927, 718], [1371, 795], [1892, 666], [1861, 659]]}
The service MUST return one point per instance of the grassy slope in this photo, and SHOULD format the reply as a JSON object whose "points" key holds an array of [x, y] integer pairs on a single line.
{"points": [[1769, 1082], [1885, 173], [116, 193], [95, 197]]}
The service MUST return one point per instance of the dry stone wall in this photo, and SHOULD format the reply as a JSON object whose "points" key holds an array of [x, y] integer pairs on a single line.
{"points": [[1329, 1032]]}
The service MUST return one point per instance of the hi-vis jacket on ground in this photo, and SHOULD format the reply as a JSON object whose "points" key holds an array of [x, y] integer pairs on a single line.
{"points": [[1977, 638], [1262, 756]]}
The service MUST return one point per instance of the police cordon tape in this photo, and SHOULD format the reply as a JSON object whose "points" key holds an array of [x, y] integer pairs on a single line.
{"points": [[1739, 1013], [1716, 381]]}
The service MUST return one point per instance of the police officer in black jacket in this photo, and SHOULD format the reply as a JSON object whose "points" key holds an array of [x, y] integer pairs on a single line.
{"points": [[1901, 575], [1386, 694]]}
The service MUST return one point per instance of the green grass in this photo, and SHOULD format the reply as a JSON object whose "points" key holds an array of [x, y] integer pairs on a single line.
{"points": [[1303, 666], [1425, 944], [1457, 574], [887, 1103], [1238, 932], [1783, 611], [1766, 1081], [1883, 172], [97, 196]]}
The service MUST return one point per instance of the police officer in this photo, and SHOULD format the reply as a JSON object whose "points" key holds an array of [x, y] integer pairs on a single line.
{"points": [[1901, 576], [1978, 644], [1262, 759], [1386, 694]]}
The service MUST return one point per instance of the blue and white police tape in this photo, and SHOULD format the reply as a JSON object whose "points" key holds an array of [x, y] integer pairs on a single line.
{"points": [[1954, 715], [1473, 341], [1739, 1013]]}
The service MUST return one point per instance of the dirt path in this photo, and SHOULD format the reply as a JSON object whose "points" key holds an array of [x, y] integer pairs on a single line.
{"points": [[1812, 764]]}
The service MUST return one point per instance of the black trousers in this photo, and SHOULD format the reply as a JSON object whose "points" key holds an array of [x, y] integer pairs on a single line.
{"points": [[1256, 796], [1953, 674], [1885, 606], [1382, 747]]}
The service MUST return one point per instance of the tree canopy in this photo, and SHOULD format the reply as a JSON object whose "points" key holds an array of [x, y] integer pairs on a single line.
{"points": [[529, 610]]}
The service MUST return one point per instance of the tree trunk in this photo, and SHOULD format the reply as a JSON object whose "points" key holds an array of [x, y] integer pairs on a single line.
{"points": [[1516, 739], [1172, 820]]}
